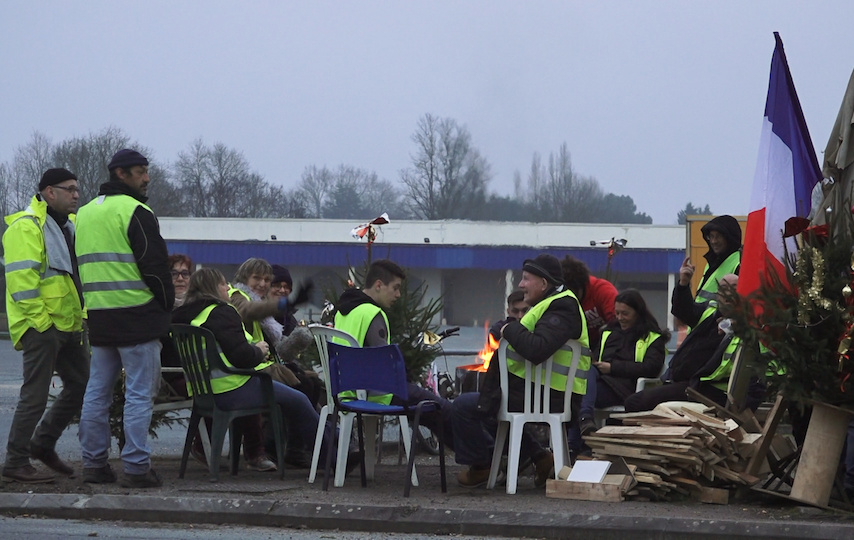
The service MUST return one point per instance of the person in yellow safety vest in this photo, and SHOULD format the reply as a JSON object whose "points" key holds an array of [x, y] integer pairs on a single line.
{"points": [[207, 306], [555, 317], [697, 358], [249, 294], [362, 314], [723, 235], [127, 287], [633, 346], [45, 315]]}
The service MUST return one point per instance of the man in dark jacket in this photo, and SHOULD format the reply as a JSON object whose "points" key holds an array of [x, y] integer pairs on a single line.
{"points": [[702, 348], [474, 412], [127, 287]]}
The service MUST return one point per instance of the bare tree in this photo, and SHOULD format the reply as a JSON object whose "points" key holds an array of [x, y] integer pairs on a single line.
{"points": [[315, 186], [449, 177], [29, 162], [88, 156]]}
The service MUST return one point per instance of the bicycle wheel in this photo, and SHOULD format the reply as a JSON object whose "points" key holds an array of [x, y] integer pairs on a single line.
{"points": [[427, 441]]}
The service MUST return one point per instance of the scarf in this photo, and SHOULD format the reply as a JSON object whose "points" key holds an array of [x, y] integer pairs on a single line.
{"points": [[271, 327]]}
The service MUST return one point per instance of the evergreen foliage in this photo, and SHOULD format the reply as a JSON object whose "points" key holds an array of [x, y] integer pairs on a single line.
{"points": [[803, 323]]}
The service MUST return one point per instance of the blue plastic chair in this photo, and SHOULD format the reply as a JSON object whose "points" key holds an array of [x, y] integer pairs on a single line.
{"points": [[383, 370]]}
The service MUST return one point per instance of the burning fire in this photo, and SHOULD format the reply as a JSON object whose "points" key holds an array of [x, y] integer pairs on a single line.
{"points": [[489, 347]]}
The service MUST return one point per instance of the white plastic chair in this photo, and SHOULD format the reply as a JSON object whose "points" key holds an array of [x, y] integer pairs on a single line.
{"points": [[536, 409], [321, 335]]}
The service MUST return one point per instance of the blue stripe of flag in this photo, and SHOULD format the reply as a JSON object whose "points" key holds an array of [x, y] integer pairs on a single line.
{"points": [[783, 110]]}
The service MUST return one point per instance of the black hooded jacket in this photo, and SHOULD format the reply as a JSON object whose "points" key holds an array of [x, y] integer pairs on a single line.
{"points": [[728, 226], [227, 327], [138, 324]]}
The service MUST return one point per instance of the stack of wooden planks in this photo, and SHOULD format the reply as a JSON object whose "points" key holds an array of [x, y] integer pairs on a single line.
{"points": [[682, 449]]}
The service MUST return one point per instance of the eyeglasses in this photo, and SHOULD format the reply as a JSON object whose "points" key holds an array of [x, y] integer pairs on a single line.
{"points": [[70, 189], [281, 285], [183, 273]]}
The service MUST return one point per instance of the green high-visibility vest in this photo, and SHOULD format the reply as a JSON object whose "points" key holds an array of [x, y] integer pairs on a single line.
{"points": [[356, 323], [221, 382], [563, 356], [720, 376], [37, 296], [708, 291], [108, 271], [256, 331], [641, 345]]}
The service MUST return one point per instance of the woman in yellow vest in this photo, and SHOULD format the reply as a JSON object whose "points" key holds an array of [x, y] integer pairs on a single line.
{"points": [[207, 306], [632, 346]]}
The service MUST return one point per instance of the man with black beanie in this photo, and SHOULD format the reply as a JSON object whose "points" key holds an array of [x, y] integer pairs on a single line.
{"points": [[555, 317], [44, 308], [127, 286]]}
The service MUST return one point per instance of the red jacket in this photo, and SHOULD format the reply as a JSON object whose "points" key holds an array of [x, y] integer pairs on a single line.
{"points": [[598, 307]]}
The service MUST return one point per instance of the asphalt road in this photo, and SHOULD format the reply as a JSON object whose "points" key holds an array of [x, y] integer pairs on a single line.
{"points": [[16, 528]]}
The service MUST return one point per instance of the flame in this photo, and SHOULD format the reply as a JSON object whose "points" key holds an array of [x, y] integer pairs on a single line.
{"points": [[489, 347]]}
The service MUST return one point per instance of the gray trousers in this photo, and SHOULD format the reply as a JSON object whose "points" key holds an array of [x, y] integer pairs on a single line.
{"points": [[67, 353]]}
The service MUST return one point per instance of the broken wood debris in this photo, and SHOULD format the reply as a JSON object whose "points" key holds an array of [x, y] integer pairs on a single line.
{"points": [[683, 450]]}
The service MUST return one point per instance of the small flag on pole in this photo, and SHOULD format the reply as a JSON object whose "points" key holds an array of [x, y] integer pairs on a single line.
{"points": [[786, 171]]}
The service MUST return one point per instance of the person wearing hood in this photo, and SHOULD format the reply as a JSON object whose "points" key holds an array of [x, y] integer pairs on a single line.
{"points": [[555, 317], [44, 308], [362, 314], [723, 235]]}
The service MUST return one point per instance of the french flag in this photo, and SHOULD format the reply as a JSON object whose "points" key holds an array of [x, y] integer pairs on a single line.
{"points": [[786, 172]]}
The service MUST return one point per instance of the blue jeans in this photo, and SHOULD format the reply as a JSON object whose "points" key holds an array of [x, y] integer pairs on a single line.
{"points": [[142, 381], [298, 413]]}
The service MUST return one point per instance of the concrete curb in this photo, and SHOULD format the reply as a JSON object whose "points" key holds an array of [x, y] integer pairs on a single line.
{"points": [[404, 519]]}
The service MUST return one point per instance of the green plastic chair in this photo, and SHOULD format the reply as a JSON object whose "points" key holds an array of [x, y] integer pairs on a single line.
{"points": [[199, 354]]}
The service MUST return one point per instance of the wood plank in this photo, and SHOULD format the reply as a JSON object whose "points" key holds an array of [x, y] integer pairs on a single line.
{"points": [[705, 419], [583, 491], [674, 456], [685, 481], [644, 432], [595, 440], [768, 431]]}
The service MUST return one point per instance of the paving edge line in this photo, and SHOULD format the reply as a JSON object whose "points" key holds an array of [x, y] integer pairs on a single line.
{"points": [[403, 518]]}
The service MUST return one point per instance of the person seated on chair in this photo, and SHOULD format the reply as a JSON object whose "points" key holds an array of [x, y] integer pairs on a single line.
{"points": [[633, 346], [207, 306], [295, 339], [554, 318], [362, 314], [704, 359], [250, 295]]}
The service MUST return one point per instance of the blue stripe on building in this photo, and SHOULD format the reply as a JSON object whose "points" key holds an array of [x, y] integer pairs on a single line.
{"points": [[661, 261]]}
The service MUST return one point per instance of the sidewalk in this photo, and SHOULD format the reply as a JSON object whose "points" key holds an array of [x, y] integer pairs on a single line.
{"points": [[261, 499]]}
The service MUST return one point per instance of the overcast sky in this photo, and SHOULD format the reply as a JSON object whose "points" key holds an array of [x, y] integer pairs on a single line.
{"points": [[659, 100]]}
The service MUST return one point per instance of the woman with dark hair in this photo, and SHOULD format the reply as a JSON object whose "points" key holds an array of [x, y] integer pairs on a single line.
{"points": [[207, 306], [632, 346], [181, 266]]}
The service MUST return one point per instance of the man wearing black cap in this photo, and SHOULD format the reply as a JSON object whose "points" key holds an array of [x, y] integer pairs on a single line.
{"points": [[127, 286], [44, 308], [555, 317]]}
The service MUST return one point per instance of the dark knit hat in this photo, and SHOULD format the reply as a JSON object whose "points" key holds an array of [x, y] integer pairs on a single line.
{"points": [[126, 158], [280, 273], [51, 177], [546, 266]]}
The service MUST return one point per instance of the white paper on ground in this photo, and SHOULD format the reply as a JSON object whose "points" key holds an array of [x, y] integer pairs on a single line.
{"points": [[589, 471]]}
